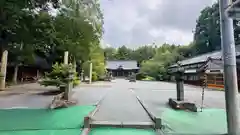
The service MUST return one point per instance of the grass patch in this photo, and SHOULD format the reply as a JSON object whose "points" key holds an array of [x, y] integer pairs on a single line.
{"points": [[148, 78]]}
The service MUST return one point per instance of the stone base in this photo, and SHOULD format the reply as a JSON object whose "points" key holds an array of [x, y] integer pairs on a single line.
{"points": [[59, 102], [182, 105]]}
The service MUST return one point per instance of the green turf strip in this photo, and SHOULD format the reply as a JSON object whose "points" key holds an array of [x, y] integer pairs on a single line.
{"points": [[42, 132], [210, 121], [120, 131], [30, 119]]}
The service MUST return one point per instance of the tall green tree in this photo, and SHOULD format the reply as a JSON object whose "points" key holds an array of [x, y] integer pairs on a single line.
{"points": [[165, 56], [12, 15], [123, 53], [143, 53], [207, 32], [27, 29], [83, 32], [17, 31], [110, 53]]}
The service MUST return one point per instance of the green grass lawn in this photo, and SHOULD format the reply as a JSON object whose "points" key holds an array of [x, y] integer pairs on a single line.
{"points": [[210, 121], [48, 122]]}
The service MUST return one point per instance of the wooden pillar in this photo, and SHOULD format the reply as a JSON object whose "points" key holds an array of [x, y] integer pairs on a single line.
{"points": [[3, 70]]}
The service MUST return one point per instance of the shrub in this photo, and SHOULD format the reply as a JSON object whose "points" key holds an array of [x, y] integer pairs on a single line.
{"points": [[94, 76], [140, 76], [59, 76], [148, 78], [76, 81]]}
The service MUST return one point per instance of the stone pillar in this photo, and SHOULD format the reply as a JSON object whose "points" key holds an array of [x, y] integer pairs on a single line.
{"points": [[82, 74], [180, 84], [66, 57], [3, 71], [90, 73], [74, 64]]}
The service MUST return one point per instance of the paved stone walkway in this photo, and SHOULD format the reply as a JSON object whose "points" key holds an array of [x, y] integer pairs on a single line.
{"points": [[121, 105]]}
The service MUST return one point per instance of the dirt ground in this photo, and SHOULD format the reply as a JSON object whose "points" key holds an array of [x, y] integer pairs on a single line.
{"points": [[25, 88]]}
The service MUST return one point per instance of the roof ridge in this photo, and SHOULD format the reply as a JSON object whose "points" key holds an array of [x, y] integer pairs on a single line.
{"points": [[202, 54], [208, 54]]}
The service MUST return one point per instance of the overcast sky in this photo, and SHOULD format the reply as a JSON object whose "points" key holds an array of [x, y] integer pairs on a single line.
{"points": [[139, 22]]}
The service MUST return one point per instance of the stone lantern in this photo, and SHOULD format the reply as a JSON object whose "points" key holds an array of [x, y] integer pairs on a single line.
{"points": [[180, 82], [69, 86]]}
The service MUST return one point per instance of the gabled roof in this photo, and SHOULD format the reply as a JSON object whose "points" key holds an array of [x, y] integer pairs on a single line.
{"points": [[124, 64], [212, 64], [204, 57]]}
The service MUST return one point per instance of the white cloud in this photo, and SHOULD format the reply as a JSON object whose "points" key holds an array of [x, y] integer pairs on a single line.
{"points": [[139, 22], [103, 44]]}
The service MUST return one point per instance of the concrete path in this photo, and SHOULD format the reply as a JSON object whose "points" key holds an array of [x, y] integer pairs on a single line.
{"points": [[90, 95], [121, 105], [118, 100]]}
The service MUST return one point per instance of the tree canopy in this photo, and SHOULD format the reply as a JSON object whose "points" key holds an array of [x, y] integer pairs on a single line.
{"points": [[207, 35], [153, 60], [47, 28]]}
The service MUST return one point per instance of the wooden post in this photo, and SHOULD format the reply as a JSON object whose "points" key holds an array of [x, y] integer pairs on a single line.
{"points": [[90, 73], [3, 70], [66, 57]]}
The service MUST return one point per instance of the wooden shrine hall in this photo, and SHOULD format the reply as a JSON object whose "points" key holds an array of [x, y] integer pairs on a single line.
{"points": [[213, 64]]}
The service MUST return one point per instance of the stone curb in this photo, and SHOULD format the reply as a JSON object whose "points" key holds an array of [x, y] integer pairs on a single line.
{"points": [[137, 125], [157, 121], [85, 131], [97, 124], [88, 119], [159, 132]]}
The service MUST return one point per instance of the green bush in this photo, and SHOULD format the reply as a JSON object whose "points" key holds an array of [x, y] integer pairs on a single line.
{"points": [[59, 76], [98, 69], [76, 81], [148, 78], [94, 76], [140, 76]]}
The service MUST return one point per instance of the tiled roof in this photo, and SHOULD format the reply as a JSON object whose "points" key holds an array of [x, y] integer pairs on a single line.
{"points": [[124, 64], [204, 57]]}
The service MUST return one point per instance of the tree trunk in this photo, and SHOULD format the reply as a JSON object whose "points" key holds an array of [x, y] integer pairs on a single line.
{"points": [[15, 75]]}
